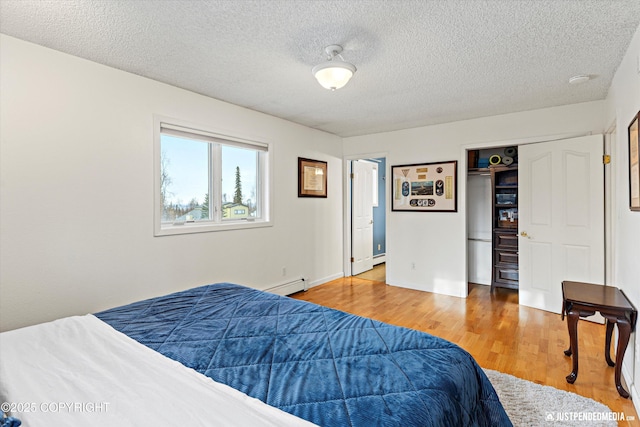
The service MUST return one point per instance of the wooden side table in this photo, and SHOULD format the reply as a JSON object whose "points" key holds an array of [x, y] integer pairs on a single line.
{"points": [[585, 299]]}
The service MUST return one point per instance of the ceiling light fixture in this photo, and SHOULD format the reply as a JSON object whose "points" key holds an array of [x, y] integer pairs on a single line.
{"points": [[576, 80], [333, 74]]}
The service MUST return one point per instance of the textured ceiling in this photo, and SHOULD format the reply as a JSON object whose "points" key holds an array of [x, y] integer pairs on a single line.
{"points": [[419, 62]]}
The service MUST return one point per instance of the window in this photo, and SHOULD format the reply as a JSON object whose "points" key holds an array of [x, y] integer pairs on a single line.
{"points": [[208, 182]]}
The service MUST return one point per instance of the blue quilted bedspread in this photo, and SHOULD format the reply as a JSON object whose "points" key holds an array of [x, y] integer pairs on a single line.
{"points": [[323, 365]]}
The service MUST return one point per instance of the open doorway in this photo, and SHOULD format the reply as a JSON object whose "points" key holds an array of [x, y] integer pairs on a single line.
{"points": [[377, 274], [492, 218], [366, 218]]}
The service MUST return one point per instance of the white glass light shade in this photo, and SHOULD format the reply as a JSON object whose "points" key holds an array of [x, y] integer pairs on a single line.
{"points": [[333, 74]]}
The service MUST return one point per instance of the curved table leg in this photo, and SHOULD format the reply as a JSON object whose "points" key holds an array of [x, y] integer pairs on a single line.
{"points": [[607, 343], [624, 331], [572, 324]]}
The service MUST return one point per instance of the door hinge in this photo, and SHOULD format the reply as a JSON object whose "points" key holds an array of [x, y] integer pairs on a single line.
{"points": [[351, 176], [606, 159], [352, 260]]}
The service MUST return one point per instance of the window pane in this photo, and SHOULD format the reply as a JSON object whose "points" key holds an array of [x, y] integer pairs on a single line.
{"points": [[184, 179], [239, 183]]}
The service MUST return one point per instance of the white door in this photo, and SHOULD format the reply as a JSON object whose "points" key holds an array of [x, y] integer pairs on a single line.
{"points": [[362, 217], [561, 218]]}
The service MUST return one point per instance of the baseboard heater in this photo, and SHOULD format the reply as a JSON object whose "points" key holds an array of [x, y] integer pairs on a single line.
{"points": [[289, 288]]}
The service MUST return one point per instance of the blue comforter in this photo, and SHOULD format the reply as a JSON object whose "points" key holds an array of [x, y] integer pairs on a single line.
{"points": [[323, 365]]}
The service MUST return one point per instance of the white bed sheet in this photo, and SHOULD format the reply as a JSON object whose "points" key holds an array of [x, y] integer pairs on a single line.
{"points": [[79, 371]]}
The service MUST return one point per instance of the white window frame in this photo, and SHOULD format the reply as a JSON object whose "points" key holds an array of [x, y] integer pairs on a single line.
{"points": [[264, 190]]}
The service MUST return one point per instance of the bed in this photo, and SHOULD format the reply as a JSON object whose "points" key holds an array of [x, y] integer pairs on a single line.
{"points": [[283, 362]]}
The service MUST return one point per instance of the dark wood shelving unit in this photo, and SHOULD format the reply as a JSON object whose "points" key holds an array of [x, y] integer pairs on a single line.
{"points": [[504, 184]]}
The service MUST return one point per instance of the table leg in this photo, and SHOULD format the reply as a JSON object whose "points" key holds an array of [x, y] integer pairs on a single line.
{"points": [[624, 331], [568, 352], [572, 324], [607, 343]]}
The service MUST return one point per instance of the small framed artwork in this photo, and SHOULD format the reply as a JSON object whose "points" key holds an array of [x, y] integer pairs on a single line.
{"points": [[634, 165], [312, 178], [425, 187]]}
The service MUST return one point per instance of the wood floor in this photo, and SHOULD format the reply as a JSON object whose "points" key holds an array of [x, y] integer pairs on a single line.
{"points": [[378, 273], [499, 334]]}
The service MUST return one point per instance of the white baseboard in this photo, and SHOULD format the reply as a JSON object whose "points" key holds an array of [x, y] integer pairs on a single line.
{"points": [[380, 259], [451, 289], [326, 279], [288, 288], [633, 391]]}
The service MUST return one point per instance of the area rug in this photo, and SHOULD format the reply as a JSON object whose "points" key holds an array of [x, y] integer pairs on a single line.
{"points": [[531, 404]]}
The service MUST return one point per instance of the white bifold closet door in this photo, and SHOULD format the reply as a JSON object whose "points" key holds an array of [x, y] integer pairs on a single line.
{"points": [[561, 218]]}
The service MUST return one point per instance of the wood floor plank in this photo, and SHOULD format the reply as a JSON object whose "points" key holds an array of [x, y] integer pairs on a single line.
{"points": [[498, 332]]}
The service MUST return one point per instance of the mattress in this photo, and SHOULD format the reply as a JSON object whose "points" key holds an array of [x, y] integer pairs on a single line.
{"points": [[79, 371], [322, 365]]}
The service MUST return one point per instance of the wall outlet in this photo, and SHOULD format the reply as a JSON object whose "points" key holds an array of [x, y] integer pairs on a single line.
{"points": [[413, 265], [284, 271], [379, 246]]}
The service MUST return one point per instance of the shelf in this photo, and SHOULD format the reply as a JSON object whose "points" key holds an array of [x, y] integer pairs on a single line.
{"points": [[479, 171], [504, 181]]}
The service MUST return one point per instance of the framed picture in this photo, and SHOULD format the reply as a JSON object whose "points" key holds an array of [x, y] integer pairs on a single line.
{"points": [[634, 165], [312, 178], [425, 187]]}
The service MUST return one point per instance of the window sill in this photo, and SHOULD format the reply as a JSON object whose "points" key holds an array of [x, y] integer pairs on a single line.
{"points": [[192, 227]]}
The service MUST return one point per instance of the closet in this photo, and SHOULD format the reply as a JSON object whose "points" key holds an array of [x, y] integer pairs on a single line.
{"points": [[492, 218]]}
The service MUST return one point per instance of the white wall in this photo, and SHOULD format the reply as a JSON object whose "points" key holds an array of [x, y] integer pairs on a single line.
{"points": [[437, 242], [623, 103], [76, 171]]}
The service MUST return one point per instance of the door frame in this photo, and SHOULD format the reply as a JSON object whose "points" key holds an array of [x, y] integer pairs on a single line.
{"points": [[609, 202], [346, 238], [462, 183]]}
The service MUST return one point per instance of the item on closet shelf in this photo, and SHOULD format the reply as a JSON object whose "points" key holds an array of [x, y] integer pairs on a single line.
{"points": [[507, 160], [495, 159], [510, 152], [506, 199], [483, 163], [506, 216], [472, 159]]}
